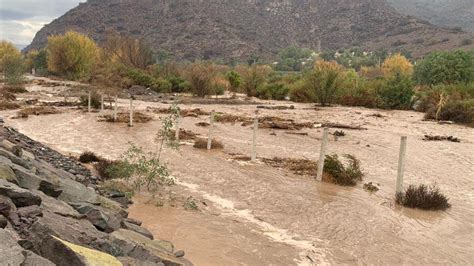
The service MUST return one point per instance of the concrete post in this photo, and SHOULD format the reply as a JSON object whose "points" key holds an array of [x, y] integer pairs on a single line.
{"points": [[131, 113], [401, 164], [322, 154], [254, 140], [101, 102], [178, 120], [115, 108], [89, 102], [211, 125]]}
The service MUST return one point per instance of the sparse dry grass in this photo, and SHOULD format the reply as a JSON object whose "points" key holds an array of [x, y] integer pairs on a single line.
{"points": [[4, 105], [201, 143], [423, 197], [183, 134], [124, 117], [40, 110], [297, 166]]}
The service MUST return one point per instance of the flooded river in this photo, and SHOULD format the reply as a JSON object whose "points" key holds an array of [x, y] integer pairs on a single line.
{"points": [[259, 215]]}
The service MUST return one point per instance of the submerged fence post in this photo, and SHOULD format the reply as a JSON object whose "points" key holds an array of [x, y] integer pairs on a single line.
{"points": [[322, 154], [401, 164], [131, 112], [89, 102], [115, 108], [254, 140], [101, 102], [178, 120], [211, 125]]}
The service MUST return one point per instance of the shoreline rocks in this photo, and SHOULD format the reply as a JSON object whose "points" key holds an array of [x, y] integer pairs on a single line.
{"points": [[48, 217]]}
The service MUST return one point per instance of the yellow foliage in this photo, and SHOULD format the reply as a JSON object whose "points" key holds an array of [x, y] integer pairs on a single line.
{"points": [[72, 54], [397, 64], [92, 257], [7, 50]]}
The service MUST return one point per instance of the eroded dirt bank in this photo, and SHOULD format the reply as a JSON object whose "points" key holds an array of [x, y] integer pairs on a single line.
{"points": [[259, 215]]}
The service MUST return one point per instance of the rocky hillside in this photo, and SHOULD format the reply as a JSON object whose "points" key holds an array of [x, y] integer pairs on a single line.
{"points": [[240, 28], [444, 13], [51, 213]]}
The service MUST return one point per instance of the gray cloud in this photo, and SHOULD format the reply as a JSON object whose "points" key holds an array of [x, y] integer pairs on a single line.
{"points": [[21, 19]]}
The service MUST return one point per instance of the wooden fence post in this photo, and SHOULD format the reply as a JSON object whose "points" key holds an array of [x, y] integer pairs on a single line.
{"points": [[401, 164], [209, 137], [322, 154], [254, 140], [178, 120], [131, 112], [89, 102], [115, 108]]}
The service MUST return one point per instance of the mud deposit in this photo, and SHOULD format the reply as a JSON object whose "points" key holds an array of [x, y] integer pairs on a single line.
{"points": [[256, 214]]}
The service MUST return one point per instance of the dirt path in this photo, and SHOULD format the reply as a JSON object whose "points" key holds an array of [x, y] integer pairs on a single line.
{"points": [[259, 215]]}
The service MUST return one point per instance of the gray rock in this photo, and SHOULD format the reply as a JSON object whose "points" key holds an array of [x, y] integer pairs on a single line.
{"points": [[102, 219], [10, 251], [133, 221], [31, 259], [30, 211], [50, 189], [20, 197], [26, 178], [138, 229], [3, 222], [179, 253], [6, 173], [15, 159], [8, 210]]}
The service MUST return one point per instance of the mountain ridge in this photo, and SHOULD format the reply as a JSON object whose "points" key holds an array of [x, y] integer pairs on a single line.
{"points": [[197, 29]]}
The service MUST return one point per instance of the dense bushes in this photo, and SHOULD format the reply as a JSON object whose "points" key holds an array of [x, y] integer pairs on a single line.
{"points": [[397, 92], [276, 91], [423, 197], [457, 111], [336, 172], [72, 55]]}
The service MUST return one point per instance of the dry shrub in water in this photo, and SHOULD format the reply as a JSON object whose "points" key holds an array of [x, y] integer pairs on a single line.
{"points": [[201, 143], [423, 197], [183, 134], [88, 157], [4, 105], [42, 110], [124, 117], [298, 166], [103, 167], [338, 173]]}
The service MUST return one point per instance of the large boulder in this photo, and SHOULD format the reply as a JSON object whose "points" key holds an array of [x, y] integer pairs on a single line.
{"points": [[138, 229], [9, 210], [15, 159], [103, 219], [65, 253], [20, 197], [50, 189], [31, 259], [6, 173], [10, 251], [56, 206], [140, 247]]}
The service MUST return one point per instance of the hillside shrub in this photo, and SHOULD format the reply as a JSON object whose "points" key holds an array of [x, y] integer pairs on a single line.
{"points": [[72, 55], [340, 174], [276, 91], [397, 92], [423, 197], [88, 157], [178, 84], [300, 93]]}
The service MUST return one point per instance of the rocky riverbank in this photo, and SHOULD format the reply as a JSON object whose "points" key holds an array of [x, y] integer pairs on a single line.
{"points": [[51, 213]]}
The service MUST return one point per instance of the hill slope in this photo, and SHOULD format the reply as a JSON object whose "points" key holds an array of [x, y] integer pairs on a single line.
{"points": [[445, 13], [191, 29]]}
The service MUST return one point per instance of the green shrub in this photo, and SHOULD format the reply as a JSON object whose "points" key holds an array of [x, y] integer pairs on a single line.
{"points": [[397, 92], [423, 197], [95, 100], [459, 111], [300, 93], [343, 175], [161, 85], [141, 78], [178, 84], [276, 91], [88, 157], [466, 42], [364, 94]]}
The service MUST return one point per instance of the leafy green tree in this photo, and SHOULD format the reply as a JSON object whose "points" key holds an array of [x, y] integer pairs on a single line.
{"points": [[397, 92], [292, 58], [72, 55], [234, 80], [14, 69], [7, 50], [326, 79], [445, 67]]}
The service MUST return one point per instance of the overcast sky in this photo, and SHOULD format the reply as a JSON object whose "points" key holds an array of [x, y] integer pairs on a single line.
{"points": [[21, 19]]}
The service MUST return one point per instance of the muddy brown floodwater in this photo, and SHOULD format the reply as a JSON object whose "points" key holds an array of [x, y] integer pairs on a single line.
{"points": [[259, 215]]}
